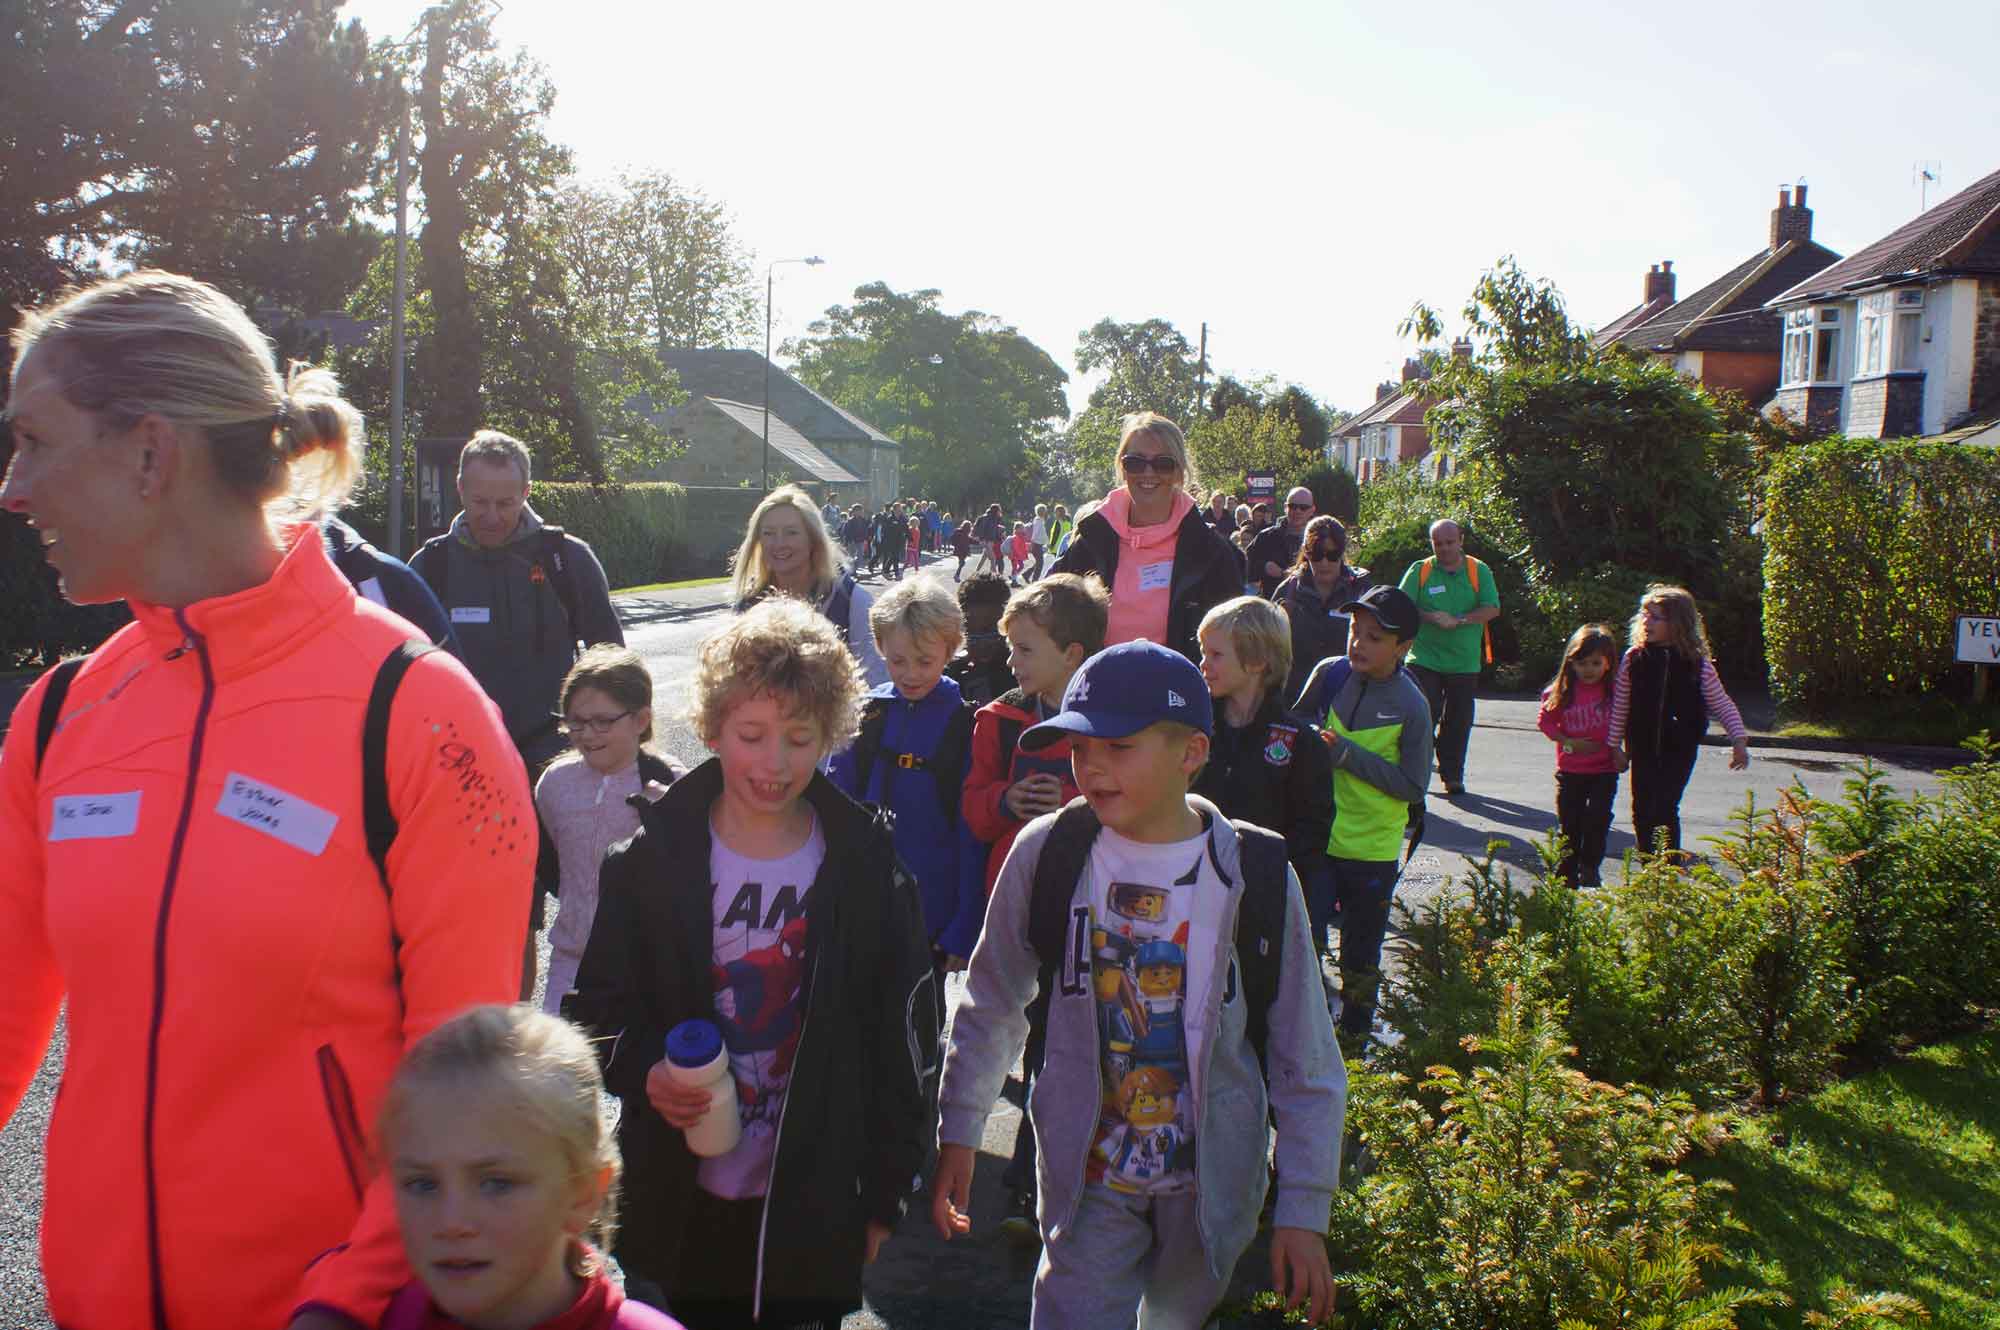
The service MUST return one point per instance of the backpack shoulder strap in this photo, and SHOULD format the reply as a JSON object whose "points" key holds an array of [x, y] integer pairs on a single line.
{"points": [[948, 760], [1424, 573], [378, 819], [1260, 926], [840, 607], [555, 555], [433, 563], [1056, 871], [868, 743], [60, 678]]}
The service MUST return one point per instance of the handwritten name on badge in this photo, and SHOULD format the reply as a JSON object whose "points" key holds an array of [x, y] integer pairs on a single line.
{"points": [[94, 816], [471, 614], [266, 808]]}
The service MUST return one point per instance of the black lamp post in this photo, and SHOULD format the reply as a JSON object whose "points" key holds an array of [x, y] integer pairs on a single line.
{"points": [[812, 262]]}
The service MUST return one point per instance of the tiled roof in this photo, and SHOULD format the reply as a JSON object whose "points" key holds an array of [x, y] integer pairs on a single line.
{"points": [[1956, 236], [787, 441], [1400, 408], [738, 376], [1630, 319], [1728, 314]]}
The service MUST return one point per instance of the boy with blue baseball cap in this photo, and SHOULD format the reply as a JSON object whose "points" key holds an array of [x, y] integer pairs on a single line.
{"points": [[1185, 1010]]}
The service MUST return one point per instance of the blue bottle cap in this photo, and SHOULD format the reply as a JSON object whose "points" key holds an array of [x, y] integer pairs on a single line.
{"points": [[693, 1043]]}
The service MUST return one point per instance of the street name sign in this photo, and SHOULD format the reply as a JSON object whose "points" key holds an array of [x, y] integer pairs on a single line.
{"points": [[1978, 639]]}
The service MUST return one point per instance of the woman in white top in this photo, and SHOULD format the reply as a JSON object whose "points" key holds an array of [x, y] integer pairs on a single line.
{"points": [[786, 550]]}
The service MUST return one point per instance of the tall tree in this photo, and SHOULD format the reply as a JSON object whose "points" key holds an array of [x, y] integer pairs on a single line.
{"points": [[973, 400], [1247, 438], [1147, 366]]}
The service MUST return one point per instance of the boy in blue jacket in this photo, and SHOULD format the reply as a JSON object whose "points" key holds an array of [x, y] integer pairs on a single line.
{"points": [[912, 757]]}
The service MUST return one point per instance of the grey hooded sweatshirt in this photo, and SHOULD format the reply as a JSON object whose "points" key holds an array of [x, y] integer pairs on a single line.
{"points": [[510, 622], [1308, 1081]]}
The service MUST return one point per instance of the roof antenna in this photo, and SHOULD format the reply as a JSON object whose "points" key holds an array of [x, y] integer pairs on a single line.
{"points": [[1923, 175]]}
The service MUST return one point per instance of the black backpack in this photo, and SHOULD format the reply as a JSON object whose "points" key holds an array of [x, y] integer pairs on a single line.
{"points": [[378, 819], [946, 762], [551, 556], [1260, 918]]}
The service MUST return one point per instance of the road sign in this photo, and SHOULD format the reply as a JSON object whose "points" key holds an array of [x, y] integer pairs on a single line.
{"points": [[1978, 639]]}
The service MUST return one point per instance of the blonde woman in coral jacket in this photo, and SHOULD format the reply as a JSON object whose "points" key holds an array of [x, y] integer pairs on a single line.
{"points": [[188, 865]]}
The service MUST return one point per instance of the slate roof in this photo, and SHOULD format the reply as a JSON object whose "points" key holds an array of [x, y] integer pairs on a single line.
{"points": [[738, 376], [1728, 314], [1630, 319], [786, 441], [1960, 235]]}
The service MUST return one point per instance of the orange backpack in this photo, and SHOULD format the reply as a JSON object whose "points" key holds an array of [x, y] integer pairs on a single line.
{"points": [[1472, 567]]}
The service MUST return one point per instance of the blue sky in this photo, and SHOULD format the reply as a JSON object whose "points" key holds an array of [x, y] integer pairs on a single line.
{"points": [[1296, 174]]}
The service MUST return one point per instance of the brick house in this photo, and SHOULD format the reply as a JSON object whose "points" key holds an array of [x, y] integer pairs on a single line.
{"points": [[725, 396], [1388, 432], [1724, 336], [1903, 338]]}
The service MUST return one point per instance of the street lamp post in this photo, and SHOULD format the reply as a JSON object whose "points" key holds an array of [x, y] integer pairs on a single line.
{"points": [[812, 262]]}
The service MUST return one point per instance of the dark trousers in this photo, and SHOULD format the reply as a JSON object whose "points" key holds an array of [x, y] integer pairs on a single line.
{"points": [[1363, 889], [1020, 1174], [1041, 552], [1322, 908], [1583, 807], [1452, 698], [1658, 781], [717, 1273]]}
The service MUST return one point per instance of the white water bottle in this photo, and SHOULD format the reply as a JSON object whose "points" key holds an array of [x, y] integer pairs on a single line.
{"points": [[696, 1056]]}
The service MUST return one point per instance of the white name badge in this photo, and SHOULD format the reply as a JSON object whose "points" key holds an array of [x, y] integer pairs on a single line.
{"points": [[1435, 591], [94, 816], [1156, 576], [471, 614], [266, 808]]}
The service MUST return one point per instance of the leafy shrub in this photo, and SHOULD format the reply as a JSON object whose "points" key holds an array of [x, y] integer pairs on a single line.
{"points": [[1334, 491], [1536, 1197], [1893, 538], [635, 529]]}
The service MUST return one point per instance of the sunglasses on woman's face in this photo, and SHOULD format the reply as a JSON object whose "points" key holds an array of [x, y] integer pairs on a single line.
{"points": [[1325, 555], [1138, 464]]}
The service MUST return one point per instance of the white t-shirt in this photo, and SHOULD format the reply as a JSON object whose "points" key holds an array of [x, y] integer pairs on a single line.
{"points": [[760, 965], [1143, 898]]}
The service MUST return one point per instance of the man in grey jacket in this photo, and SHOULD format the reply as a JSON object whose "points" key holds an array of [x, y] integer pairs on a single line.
{"points": [[523, 597], [1149, 1041]]}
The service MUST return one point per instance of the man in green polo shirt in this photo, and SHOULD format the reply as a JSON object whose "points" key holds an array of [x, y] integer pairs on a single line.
{"points": [[1456, 599]]}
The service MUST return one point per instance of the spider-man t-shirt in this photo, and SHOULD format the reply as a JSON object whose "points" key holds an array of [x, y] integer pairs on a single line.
{"points": [[758, 967]]}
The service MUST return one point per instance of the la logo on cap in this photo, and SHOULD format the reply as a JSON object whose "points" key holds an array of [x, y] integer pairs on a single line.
{"points": [[1081, 690], [1174, 699]]}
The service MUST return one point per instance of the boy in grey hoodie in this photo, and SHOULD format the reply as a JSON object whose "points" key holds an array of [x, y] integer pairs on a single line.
{"points": [[1152, 1109]]}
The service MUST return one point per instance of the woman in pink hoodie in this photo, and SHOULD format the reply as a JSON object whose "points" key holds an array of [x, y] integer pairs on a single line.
{"points": [[1165, 566]]}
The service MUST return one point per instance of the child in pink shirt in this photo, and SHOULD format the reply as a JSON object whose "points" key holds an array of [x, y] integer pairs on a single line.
{"points": [[1576, 714], [1017, 551]]}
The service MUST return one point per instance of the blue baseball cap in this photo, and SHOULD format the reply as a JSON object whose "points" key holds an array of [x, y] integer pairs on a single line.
{"points": [[1123, 689]]}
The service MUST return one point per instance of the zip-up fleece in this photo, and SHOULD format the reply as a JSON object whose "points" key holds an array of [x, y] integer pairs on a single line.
{"points": [[851, 1136], [1207, 569], [1381, 737], [1308, 1081], [1275, 772], [192, 873], [510, 621]]}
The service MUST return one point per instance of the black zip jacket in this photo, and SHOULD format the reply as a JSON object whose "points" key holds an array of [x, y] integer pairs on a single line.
{"points": [[856, 1125], [1207, 571], [1275, 772], [1667, 713]]}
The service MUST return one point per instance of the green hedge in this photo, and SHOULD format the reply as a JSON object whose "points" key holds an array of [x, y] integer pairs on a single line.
{"points": [[637, 530], [37, 626], [1871, 548]]}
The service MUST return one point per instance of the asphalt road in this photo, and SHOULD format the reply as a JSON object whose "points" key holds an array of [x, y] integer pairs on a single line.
{"points": [[983, 1280]]}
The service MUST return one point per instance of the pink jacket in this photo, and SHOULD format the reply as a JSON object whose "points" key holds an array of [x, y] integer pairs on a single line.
{"points": [[1588, 716], [1141, 591]]}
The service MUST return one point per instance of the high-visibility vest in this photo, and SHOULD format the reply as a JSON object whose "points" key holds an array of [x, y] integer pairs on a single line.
{"points": [[1472, 567]]}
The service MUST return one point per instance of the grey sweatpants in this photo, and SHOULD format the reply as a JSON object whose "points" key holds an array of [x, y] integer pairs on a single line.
{"points": [[1127, 1256]]}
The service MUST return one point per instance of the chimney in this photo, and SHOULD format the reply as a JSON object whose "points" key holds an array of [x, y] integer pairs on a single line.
{"points": [[1412, 371], [1461, 350], [1384, 390], [1660, 282], [1791, 219]]}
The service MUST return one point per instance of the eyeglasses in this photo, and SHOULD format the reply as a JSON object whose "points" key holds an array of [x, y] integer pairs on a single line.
{"points": [[1138, 464], [1298, 507], [594, 724]]}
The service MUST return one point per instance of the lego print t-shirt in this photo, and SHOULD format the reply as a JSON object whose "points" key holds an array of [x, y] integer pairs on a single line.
{"points": [[1143, 898], [759, 968]]}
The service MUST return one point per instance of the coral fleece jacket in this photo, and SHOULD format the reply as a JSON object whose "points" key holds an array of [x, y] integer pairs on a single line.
{"points": [[190, 870]]}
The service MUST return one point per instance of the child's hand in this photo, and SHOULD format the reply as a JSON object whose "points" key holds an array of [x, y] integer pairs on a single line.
{"points": [[951, 1191], [681, 1105], [953, 962], [1621, 760], [1031, 796], [1585, 746], [1301, 1254], [877, 1235], [1739, 756]]}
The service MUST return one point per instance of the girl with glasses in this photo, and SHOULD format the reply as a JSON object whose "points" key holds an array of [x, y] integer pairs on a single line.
{"points": [[1311, 596], [1166, 567], [589, 800]]}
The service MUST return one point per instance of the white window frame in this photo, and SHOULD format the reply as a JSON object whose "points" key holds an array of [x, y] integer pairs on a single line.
{"points": [[1873, 348], [1813, 335]]}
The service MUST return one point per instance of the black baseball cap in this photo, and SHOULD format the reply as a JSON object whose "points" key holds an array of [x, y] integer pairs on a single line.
{"points": [[1391, 608]]}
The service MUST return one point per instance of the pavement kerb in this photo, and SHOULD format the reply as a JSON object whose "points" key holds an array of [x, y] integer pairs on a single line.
{"points": [[1934, 754]]}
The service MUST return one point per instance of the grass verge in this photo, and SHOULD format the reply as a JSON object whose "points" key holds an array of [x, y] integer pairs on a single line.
{"points": [[1927, 719], [1890, 1181], [668, 586]]}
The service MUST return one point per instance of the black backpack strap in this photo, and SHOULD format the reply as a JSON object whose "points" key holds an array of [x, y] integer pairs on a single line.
{"points": [[52, 701], [378, 819], [948, 760], [1260, 926], [555, 557], [868, 743], [433, 563], [1056, 871]]}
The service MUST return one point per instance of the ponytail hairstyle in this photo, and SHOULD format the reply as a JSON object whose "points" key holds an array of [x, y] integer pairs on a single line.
{"points": [[537, 1066], [1684, 622], [1593, 639], [157, 343]]}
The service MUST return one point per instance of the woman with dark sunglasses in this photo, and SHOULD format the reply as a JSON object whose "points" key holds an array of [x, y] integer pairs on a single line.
{"points": [[1311, 596], [1165, 566]]}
